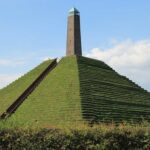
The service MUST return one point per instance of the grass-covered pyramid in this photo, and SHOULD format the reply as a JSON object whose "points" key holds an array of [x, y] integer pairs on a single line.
{"points": [[77, 90]]}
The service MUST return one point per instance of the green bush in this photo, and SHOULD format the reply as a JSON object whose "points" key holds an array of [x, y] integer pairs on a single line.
{"points": [[94, 138]]}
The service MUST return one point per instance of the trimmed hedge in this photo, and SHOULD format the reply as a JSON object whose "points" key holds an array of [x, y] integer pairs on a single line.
{"points": [[75, 139]]}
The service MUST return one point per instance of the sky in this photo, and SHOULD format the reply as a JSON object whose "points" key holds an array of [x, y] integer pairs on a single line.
{"points": [[114, 31]]}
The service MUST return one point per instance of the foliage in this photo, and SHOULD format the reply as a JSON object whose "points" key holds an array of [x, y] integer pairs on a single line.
{"points": [[83, 137]]}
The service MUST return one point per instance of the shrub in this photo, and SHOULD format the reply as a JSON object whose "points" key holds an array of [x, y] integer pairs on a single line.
{"points": [[99, 137]]}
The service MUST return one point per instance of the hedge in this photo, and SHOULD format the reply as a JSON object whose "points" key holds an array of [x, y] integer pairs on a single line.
{"points": [[75, 139]]}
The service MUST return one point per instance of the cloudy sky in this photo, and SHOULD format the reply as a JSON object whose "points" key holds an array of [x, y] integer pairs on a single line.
{"points": [[115, 31]]}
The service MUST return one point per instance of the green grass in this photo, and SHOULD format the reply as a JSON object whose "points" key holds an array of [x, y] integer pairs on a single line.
{"points": [[79, 89], [10, 93], [56, 100], [108, 96]]}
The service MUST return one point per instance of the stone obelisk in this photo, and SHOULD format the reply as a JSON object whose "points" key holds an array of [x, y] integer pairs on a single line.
{"points": [[73, 34]]}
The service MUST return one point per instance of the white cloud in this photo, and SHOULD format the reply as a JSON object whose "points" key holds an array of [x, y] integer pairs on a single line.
{"points": [[46, 58], [6, 79], [11, 63], [128, 58]]}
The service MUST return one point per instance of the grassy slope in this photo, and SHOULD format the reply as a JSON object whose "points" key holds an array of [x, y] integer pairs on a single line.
{"points": [[107, 95], [9, 94], [56, 100], [82, 85]]}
